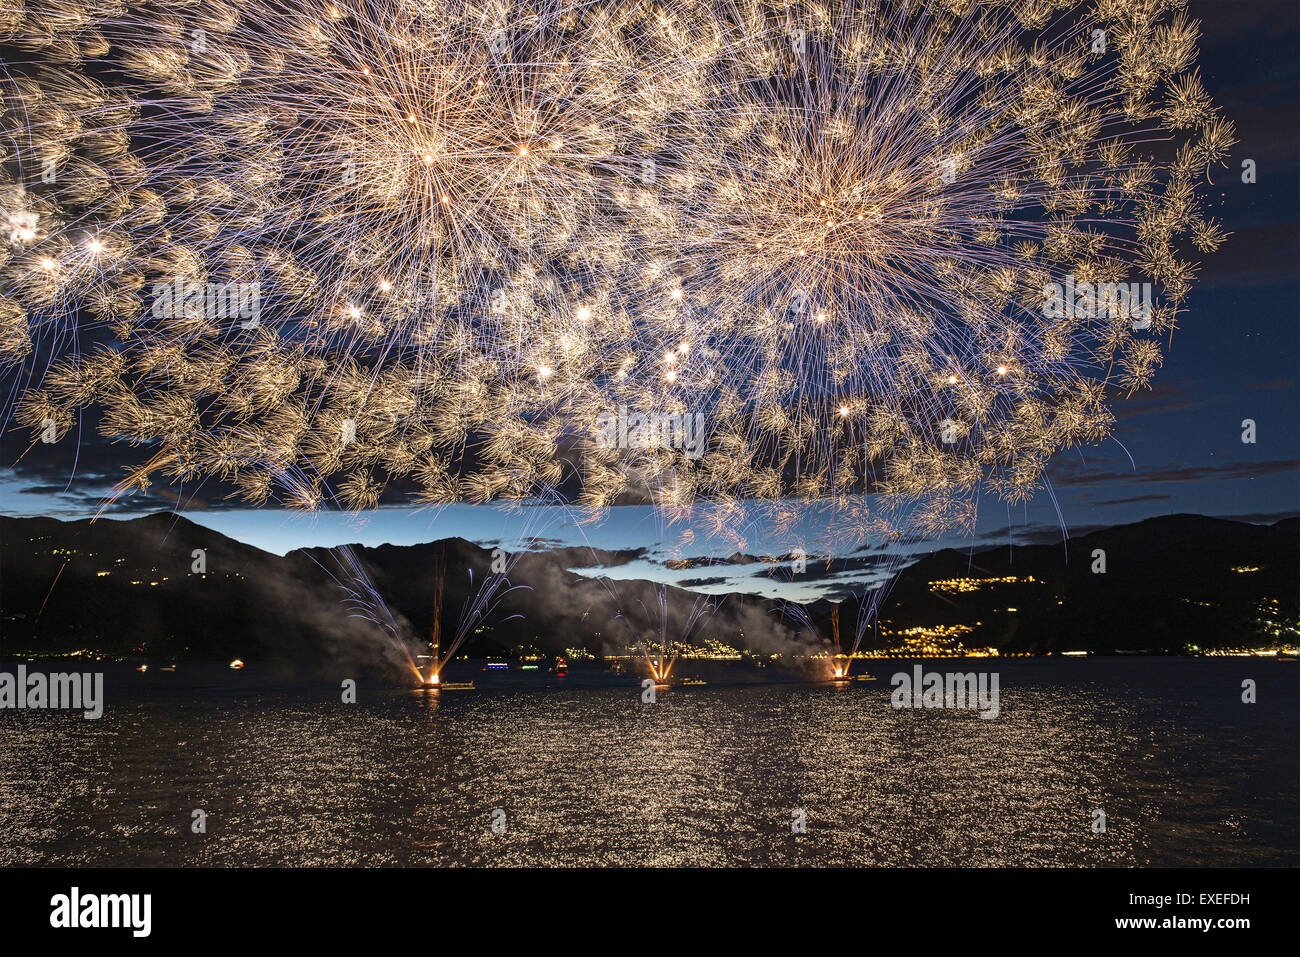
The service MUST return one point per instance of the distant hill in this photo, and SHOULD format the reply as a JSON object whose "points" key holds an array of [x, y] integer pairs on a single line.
{"points": [[131, 588], [1169, 582]]}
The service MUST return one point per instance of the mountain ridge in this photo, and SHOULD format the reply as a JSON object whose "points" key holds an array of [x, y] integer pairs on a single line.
{"points": [[134, 587]]}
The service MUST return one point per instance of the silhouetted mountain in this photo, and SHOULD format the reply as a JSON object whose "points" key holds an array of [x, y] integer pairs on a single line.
{"points": [[133, 588], [163, 586], [1167, 583]]}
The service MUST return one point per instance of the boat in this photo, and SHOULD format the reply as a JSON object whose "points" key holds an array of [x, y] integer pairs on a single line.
{"points": [[236, 665], [692, 681], [864, 678]]}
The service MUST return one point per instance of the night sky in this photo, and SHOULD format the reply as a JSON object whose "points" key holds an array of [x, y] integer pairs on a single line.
{"points": [[1175, 449]]}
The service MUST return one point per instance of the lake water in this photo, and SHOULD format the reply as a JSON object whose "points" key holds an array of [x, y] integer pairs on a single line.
{"points": [[583, 772]]}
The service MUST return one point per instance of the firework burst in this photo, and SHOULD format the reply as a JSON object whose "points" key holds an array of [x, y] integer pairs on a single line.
{"points": [[338, 252]]}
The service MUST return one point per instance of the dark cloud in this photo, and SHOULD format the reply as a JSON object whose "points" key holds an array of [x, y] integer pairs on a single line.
{"points": [[1074, 476], [703, 582], [1287, 383], [1165, 397], [1134, 499], [1261, 518]]}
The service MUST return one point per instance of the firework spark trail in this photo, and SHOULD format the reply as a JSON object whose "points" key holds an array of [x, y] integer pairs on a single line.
{"points": [[483, 602], [363, 600], [803, 619], [660, 641], [478, 610]]}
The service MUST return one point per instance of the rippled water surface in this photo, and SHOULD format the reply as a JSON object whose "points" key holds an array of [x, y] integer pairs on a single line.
{"points": [[586, 774]]}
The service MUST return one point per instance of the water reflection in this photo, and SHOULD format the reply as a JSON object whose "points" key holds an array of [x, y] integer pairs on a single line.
{"points": [[706, 776]]}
